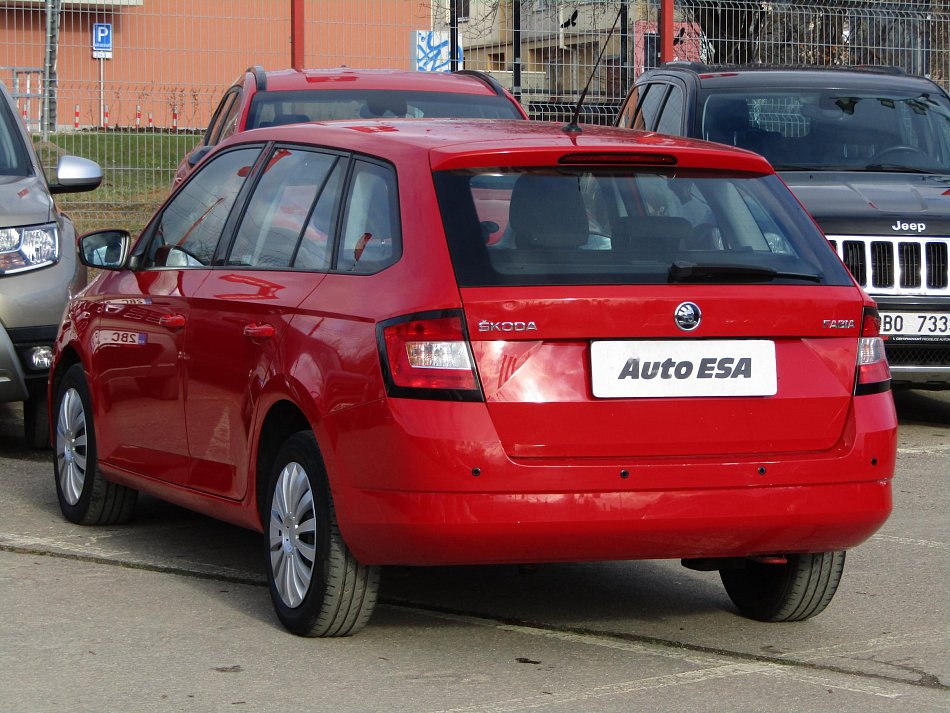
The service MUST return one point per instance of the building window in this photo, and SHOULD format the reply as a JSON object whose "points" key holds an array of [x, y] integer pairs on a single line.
{"points": [[461, 8]]}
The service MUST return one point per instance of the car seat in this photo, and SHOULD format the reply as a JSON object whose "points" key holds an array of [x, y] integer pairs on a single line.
{"points": [[548, 212]]}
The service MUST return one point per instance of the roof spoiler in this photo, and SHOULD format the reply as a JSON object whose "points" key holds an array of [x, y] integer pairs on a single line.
{"points": [[487, 79]]}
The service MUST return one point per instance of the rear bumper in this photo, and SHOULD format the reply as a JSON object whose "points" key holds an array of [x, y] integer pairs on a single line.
{"points": [[407, 493], [482, 528]]}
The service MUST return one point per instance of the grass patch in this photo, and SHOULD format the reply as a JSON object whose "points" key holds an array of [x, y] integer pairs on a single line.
{"points": [[138, 170]]}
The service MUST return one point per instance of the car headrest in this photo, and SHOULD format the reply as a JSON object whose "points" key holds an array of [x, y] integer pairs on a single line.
{"points": [[548, 212]]}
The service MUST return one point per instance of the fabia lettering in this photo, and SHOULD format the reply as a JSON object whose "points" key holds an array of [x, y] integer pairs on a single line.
{"points": [[709, 368]]}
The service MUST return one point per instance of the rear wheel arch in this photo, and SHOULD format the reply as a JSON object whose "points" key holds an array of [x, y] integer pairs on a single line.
{"points": [[283, 419]]}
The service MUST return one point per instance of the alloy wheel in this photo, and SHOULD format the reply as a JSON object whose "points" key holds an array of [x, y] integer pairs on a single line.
{"points": [[292, 534], [71, 446]]}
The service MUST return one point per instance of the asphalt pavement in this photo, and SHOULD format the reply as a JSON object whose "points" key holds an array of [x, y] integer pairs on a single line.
{"points": [[170, 613]]}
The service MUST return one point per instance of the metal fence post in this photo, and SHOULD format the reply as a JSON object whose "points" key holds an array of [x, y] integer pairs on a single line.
{"points": [[297, 35]]}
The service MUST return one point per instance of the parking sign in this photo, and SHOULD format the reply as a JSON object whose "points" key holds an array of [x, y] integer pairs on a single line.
{"points": [[102, 40]]}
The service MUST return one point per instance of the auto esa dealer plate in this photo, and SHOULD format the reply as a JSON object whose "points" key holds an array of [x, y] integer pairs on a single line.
{"points": [[631, 369]]}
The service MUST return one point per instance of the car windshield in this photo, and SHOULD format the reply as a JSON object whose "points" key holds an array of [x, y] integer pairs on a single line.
{"points": [[273, 108], [13, 158], [827, 129], [629, 226]]}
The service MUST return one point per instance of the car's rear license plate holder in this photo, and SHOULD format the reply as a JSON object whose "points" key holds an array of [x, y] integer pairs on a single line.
{"points": [[683, 368]]}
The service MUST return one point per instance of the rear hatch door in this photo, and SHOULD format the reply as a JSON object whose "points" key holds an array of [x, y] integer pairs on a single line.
{"points": [[606, 371], [642, 312]]}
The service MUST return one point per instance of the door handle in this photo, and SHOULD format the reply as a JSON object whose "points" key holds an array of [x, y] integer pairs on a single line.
{"points": [[258, 331], [172, 321]]}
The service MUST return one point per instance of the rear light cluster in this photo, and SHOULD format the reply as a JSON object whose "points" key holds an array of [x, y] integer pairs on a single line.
{"points": [[428, 356], [873, 373]]}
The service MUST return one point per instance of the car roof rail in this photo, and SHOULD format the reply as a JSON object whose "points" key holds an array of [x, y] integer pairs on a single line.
{"points": [[486, 78], [260, 76], [703, 68]]}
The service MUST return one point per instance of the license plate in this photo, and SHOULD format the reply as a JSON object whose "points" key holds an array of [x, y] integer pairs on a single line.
{"points": [[915, 324], [668, 369], [120, 336]]}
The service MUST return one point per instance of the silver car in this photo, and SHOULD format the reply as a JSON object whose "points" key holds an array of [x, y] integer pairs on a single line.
{"points": [[38, 266]]}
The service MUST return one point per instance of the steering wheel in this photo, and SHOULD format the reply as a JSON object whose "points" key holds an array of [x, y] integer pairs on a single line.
{"points": [[895, 151]]}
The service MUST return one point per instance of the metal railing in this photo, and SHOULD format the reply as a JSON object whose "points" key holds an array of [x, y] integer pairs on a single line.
{"points": [[140, 111]]}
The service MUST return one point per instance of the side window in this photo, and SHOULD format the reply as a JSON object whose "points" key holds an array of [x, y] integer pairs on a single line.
{"points": [[650, 106], [671, 119], [230, 118], [188, 229], [280, 207], [371, 239], [225, 109], [628, 110], [316, 246]]}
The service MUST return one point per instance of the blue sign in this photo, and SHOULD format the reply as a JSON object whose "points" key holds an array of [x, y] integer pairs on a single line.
{"points": [[102, 40]]}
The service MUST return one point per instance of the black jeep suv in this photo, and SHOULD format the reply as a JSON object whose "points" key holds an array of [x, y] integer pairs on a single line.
{"points": [[867, 151]]}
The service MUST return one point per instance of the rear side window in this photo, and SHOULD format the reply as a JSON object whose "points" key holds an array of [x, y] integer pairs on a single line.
{"points": [[227, 112], [626, 226], [371, 238], [650, 106], [671, 119]]}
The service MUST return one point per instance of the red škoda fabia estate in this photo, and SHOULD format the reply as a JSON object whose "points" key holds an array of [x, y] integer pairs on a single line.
{"points": [[424, 342]]}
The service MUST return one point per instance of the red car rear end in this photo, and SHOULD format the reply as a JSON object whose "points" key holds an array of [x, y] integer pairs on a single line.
{"points": [[525, 345]]}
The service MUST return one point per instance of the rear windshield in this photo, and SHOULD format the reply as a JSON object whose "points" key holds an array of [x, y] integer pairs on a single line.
{"points": [[546, 227], [828, 129], [272, 108]]}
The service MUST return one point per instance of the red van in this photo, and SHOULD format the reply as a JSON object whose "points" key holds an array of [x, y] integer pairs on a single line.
{"points": [[425, 342]]}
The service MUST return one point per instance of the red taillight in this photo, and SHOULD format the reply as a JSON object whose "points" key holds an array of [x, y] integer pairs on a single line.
{"points": [[874, 375], [428, 356]]}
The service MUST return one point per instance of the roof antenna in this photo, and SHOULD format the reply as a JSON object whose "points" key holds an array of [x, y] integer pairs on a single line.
{"points": [[573, 127]]}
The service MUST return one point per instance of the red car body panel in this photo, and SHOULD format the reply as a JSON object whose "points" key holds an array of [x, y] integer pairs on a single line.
{"points": [[540, 469]]}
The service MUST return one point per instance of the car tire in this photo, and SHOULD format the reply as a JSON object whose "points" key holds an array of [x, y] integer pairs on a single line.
{"points": [[317, 586], [85, 497], [36, 420], [794, 591]]}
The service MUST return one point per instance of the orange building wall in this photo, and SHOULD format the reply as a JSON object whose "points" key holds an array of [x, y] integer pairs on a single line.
{"points": [[181, 54]]}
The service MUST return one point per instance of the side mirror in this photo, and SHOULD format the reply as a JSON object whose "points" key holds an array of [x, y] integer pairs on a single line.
{"points": [[105, 249], [76, 175]]}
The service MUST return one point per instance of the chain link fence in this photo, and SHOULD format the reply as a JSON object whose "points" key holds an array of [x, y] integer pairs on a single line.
{"points": [[140, 105]]}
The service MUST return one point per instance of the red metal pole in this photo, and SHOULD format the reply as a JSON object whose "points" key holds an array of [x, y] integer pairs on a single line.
{"points": [[666, 30], [297, 37]]}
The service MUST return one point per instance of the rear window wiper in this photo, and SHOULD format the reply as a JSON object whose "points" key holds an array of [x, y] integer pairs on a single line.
{"points": [[683, 271]]}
